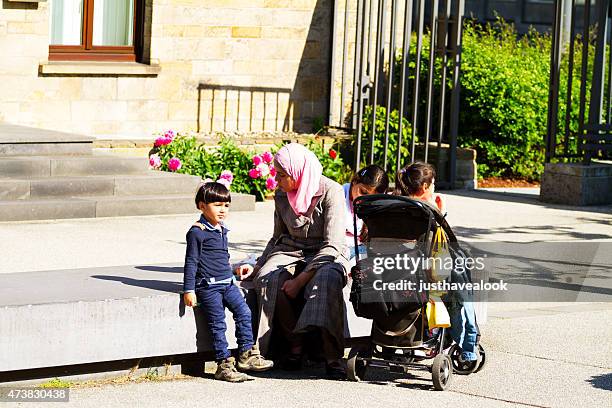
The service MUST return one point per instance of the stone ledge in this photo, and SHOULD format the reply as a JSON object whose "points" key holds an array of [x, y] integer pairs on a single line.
{"points": [[577, 184], [595, 169], [124, 312], [98, 68]]}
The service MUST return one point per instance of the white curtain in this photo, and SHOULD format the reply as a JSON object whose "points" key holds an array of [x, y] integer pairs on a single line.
{"points": [[113, 22], [66, 18]]}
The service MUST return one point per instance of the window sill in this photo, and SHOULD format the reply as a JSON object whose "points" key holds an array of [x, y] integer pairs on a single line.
{"points": [[90, 68]]}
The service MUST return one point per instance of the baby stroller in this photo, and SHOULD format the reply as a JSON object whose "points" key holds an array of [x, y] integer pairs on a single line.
{"points": [[402, 229]]}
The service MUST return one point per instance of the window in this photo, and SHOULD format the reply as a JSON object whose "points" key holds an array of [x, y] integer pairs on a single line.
{"points": [[103, 30], [539, 11]]}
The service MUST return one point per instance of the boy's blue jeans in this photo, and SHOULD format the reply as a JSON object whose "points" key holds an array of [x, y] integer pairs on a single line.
{"points": [[463, 329], [213, 299]]}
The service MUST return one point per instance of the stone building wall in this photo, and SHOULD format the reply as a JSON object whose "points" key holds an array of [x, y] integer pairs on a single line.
{"points": [[242, 65]]}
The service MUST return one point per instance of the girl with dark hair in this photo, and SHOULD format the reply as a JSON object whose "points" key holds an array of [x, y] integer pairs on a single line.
{"points": [[417, 180], [369, 180]]}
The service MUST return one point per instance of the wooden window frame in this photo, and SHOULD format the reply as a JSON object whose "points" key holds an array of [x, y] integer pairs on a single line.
{"points": [[89, 52]]}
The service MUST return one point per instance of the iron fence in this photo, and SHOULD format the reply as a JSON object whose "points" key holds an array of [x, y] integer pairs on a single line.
{"points": [[407, 60], [592, 137]]}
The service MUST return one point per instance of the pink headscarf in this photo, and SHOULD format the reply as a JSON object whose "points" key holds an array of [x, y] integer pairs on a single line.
{"points": [[303, 166]]}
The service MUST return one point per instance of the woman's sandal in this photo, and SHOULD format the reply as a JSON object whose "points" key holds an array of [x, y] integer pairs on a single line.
{"points": [[335, 370]]}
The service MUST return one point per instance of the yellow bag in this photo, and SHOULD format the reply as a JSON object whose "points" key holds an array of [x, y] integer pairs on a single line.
{"points": [[441, 257], [437, 315]]}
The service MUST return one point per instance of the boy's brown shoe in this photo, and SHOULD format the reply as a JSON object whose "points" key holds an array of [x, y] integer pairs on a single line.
{"points": [[252, 360], [226, 371]]}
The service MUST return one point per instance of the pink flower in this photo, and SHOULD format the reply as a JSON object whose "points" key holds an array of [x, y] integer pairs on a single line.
{"points": [[267, 157], [264, 169], [254, 173], [174, 164], [271, 183], [257, 160], [272, 171], [162, 141], [170, 134], [227, 175], [154, 161], [225, 182]]}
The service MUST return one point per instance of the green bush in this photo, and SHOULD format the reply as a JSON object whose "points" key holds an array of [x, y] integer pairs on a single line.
{"points": [[504, 99], [198, 160], [209, 163], [333, 165], [379, 137]]}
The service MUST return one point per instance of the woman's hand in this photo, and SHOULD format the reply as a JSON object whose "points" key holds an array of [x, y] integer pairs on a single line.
{"points": [[190, 299], [292, 288]]}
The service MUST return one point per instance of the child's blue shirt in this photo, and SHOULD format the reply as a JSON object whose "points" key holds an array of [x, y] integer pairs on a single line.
{"points": [[207, 256]]}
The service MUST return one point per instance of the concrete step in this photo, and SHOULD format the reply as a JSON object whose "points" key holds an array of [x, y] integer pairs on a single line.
{"points": [[153, 182], [102, 314], [18, 140], [109, 206], [45, 166], [28, 210]]}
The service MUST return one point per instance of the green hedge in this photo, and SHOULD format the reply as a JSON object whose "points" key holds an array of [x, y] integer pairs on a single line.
{"points": [[504, 98], [210, 162]]}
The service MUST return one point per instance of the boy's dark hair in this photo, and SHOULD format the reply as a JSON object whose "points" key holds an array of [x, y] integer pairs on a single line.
{"points": [[372, 176], [212, 192], [411, 178]]}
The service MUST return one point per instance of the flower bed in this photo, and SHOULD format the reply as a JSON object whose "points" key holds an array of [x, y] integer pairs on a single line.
{"points": [[241, 170]]}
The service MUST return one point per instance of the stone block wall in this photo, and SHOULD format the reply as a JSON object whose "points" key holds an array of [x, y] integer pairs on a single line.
{"points": [[268, 59]]}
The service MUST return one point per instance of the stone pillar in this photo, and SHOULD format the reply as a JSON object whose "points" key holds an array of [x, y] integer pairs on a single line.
{"points": [[577, 184]]}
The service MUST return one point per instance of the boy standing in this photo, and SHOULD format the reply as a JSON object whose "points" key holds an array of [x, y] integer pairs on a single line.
{"points": [[209, 283]]}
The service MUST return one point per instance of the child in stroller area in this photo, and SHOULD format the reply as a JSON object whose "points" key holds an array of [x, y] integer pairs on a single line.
{"points": [[417, 181], [368, 180]]}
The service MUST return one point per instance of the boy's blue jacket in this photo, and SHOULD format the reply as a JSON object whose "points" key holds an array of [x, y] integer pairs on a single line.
{"points": [[207, 256]]}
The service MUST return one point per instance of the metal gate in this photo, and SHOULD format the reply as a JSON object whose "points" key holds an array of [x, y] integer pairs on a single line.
{"points": [[405, 65], [592, 137]]}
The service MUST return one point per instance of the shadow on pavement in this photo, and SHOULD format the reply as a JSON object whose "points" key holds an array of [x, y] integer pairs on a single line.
{"points": [[603, 381], [164, 286], [561, 231], [525, 198], [155, 268], [255, 246]]}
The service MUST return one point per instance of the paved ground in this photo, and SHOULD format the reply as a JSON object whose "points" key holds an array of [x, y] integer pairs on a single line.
{"points": [[539, 354], [544, 356], [475, 216]]}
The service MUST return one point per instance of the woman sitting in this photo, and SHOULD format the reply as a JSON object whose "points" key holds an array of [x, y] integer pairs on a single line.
{"points": [[301, 273]]}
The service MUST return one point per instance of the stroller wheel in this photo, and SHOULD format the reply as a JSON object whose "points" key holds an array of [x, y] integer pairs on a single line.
{"points": [[460, 366], [482, 359], [441, 372], [356, 368]]}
